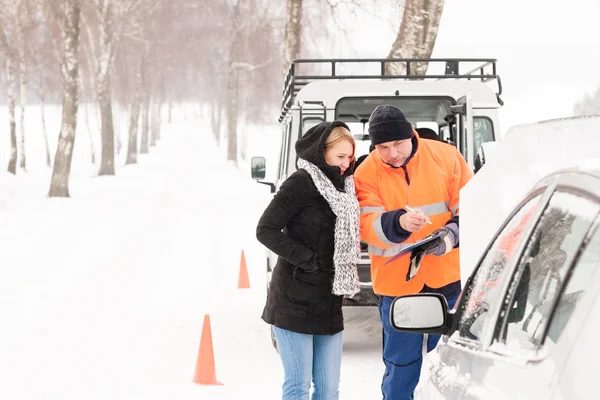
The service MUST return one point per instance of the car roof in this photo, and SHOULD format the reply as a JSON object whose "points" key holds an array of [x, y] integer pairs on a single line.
{"points": [[524, 156], [331, 91]]}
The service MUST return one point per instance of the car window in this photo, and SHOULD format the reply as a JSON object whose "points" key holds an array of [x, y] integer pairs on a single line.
{"points": [[543, 270], [578, 281], [481, 295]]}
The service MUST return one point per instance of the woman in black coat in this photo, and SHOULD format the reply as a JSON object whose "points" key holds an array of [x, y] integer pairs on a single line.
{"points": [[312, 224]]}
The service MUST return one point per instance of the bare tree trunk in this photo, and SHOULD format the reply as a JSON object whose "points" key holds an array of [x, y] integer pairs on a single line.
{"points": [[22, 100], [159, 105], [11, 86], [107, 37], [152, 131], [59, 186], [144, 120], [89, 129], [107, 165], [293, 33], [416, 35], [216, 120], [233, 87], [89, 55], [87, 120], [132, 149], [117, 127], [232, 109], [158, 119], [42, 103]]}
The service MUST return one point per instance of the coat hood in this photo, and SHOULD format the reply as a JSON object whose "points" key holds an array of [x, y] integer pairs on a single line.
{"points": [[311, 147]]}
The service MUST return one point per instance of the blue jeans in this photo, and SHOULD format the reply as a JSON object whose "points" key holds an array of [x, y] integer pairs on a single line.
{"points": [[402, 355], [310, 357]]}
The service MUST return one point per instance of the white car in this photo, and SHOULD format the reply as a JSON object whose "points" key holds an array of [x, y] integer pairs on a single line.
{"points": [[527, 323]]}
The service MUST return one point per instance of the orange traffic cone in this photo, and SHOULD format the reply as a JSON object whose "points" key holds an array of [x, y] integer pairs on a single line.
{"points": [[205, 373], [243, 280]]}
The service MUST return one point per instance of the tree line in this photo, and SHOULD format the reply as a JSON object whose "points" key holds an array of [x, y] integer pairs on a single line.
{"points": [[146, 55]]}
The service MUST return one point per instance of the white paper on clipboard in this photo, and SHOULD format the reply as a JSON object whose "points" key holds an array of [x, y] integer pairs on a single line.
{"points": [[415, 245]]}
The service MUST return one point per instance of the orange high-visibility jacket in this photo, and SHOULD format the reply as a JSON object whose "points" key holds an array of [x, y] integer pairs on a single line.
{"points": [[431, 181]]}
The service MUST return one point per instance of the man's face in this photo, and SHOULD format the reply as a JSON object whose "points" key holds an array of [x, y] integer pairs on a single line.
{"points": [[395, 153]]}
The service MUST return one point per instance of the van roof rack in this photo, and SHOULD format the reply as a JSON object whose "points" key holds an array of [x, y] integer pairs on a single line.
{"points": [[485, 71]]}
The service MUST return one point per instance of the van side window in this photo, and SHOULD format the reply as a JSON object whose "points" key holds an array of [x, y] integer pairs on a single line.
{"points": [[308, 123], [483, 131], [481, 296], [543, 271]]}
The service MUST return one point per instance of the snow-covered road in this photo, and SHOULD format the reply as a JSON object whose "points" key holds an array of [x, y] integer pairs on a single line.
{"points": [[103, 295]]}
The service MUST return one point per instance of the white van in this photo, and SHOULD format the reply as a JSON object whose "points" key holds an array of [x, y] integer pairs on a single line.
{"points": [[460, 103]]}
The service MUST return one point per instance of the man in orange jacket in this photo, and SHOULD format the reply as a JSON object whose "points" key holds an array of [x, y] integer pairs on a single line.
{"points": [[406, 173]]}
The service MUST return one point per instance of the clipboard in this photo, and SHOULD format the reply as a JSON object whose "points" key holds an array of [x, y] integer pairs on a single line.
{"points": [[415, 245]]}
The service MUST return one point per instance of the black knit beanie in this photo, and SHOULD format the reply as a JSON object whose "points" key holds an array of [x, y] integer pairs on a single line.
{"points": [[387, 123]]}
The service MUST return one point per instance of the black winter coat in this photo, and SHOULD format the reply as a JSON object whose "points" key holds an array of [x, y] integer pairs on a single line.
{"points": [[300, 301]]}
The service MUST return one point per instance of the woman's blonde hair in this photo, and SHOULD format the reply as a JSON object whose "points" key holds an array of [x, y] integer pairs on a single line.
{"points": [[338, 134]]}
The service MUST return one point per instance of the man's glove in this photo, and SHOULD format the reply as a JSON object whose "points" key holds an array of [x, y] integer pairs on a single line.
{"points": [[439, 247], [449, 239]]}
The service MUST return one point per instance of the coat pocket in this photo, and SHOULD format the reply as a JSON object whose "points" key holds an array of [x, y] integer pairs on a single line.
{"points": [[305, 288]]}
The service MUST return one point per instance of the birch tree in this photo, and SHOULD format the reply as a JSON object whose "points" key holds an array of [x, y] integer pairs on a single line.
{"points": [[141, 17], [157, 118], [70, 29], [89, 52], [8, 13], [144, 143], [416, 35], [82, 91], [218, 72], [293, 33], [41, 93], [232, 82], [45, 62], [132, 146], [240, 60], [112, 16], [151, 110], [108, 35], [22, 21]]}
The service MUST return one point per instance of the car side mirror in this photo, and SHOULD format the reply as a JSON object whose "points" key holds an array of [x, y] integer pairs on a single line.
{"points": [[258, 171], [420, 313], [258, 168]]}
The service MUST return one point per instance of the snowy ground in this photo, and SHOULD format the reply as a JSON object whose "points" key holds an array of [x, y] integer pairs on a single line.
{"points": [[103, 295]]}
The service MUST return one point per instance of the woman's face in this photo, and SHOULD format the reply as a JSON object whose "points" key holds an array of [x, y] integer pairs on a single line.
{"points": [[340, 154]]}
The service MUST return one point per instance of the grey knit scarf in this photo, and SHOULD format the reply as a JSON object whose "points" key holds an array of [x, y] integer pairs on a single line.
{"points": [[347, 229]]}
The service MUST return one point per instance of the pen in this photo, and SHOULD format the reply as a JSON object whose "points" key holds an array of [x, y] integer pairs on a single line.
{"points": [[412, 210]]}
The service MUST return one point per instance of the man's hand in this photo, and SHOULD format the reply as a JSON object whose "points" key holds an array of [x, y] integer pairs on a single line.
{"points": [[413, 221], [446, 243]]}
